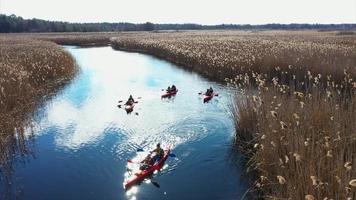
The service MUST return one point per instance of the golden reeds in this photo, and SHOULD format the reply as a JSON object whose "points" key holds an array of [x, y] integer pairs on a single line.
{"points": [[226, 54], [316, 125], [78, 39], [29, 70], [295, 108]]}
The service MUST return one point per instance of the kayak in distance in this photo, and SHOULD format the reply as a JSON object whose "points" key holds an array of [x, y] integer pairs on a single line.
{"points": [[169, 94], [129, 105]]}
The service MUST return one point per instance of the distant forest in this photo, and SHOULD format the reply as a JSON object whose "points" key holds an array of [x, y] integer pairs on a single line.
{"points": [[15, 24]]}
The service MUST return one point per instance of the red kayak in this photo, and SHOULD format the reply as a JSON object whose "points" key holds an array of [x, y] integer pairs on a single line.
{"points": [[207, 98], [140, 175], [169, 94]]}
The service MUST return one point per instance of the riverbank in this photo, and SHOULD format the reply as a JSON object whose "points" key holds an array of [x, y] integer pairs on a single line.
{"points": [[31, 71], [92, 39], [296, 124]]}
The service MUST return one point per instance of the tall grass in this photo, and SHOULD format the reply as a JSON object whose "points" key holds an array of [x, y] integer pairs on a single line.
{"points": [[295, 109], [78, 39], [301, 143], [29, 70], [225, 54]]}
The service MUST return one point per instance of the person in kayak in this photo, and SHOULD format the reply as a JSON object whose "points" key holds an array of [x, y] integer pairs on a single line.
{"points": [[159, 153], [130, 101], [209, 91], [169, 89], [173, 88], [147, 162]]}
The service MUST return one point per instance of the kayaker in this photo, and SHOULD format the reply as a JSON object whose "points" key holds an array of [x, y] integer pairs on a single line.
{"points": [[169, 89], [130, 101], [173, 88], [209, 91], [159, 153], [146, 163]]}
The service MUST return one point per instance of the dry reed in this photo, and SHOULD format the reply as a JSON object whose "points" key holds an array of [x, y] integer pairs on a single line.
{"points": [[224, 54], [295, 108], [29, 71], [305, 138]]}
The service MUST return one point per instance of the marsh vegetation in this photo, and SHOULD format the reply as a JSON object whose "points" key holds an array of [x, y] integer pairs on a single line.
{"points": [[31, 71], [297, 121]]}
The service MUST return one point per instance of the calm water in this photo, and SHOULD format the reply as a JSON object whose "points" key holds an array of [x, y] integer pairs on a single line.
{"points": [[83, 139]]}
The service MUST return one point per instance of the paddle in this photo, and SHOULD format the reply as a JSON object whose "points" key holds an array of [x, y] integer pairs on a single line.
{"points": [[155, 183], [120, 106], [170, 155], [215, 94], [120, 101]]}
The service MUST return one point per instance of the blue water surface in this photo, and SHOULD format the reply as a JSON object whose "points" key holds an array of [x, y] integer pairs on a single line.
{"points": [[83, 140]]}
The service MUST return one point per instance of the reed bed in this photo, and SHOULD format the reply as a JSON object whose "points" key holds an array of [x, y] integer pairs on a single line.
{"points": [[224, 54], [29, 71], [301, 144], [77, 39], [295, 105]]}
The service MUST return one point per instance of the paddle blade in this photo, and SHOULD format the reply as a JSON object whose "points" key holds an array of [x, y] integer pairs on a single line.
{"points": [[130, 161], [172, 155], [140, 150], [139, 97], [119, 106], [136, 102], [216, 94], [155, 184], [120, 101], [200, 93]]}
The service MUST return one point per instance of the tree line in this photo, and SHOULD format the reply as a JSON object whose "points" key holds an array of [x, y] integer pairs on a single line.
{"points": [[16, 24]]}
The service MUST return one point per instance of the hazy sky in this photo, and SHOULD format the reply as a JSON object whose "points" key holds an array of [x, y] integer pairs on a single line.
{"points": [[183, 11]]}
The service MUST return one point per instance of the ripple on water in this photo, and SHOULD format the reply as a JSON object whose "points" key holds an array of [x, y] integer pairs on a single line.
{"points": [[86, 139]]}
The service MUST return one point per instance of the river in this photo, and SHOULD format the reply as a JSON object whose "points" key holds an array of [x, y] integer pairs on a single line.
{"points": [[83, 140]]}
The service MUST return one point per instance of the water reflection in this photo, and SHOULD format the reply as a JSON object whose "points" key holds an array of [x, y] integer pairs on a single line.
{"points": [[17, 139], [88, 111], [83, 140]]}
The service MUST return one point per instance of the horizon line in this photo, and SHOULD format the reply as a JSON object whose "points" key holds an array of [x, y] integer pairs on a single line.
{"points": [[182, 23]]}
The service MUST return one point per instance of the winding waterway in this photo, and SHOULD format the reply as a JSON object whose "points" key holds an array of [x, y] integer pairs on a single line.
{"points": [[83, 140]]}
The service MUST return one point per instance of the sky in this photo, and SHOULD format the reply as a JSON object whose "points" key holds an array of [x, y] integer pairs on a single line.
{"points": [[186, 11]]}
